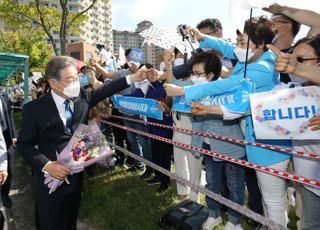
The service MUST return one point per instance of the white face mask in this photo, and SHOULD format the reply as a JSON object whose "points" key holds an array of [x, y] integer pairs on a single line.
{"points": [[178, 61], [198, 80], [240, 53], [72, 90], [296, 79]]}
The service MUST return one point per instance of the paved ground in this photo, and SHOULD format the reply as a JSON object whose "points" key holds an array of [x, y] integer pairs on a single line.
{"points": [[21, 215]]}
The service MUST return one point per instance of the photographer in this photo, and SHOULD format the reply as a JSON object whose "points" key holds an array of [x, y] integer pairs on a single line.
{"points": [[210, 26]]}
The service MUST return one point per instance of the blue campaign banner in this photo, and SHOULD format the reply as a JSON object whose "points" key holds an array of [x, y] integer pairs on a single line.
{"points": [[139, 106], [235, 100], [136, 55]]}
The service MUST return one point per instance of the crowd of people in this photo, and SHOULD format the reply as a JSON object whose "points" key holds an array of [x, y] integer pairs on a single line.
{"points": [[265, 53]]}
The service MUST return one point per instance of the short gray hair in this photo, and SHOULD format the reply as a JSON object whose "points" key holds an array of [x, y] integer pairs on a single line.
{"points": [[56, 64]]}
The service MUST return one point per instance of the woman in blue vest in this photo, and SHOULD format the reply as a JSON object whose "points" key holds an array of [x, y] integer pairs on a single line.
{"points": [[260, 70]]}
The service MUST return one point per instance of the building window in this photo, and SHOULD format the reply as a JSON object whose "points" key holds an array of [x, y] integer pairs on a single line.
{"points": [[75, 55]]}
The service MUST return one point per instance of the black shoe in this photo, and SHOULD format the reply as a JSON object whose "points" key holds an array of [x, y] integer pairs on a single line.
{"points": [[6, 201], [146, 175], [153, 181], [163, 188], [132, 169], [252, 222]]}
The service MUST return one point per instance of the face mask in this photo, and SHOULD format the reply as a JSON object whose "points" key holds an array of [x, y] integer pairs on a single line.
{"points": [[198, 80], [296, 79], [178, 61], [72, 90], [240, 53]]}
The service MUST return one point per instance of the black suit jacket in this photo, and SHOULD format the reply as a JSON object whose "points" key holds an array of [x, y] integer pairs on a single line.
{"points": [[8, 114], [43, 133]]}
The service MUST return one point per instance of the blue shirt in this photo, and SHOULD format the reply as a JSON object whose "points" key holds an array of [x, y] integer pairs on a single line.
{"points": [[156, 91], [262, 73]]}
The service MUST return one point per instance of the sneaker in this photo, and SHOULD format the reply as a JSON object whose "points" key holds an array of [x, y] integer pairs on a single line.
{"points": [[153, 181], [140, 168], [211, 222], [146, 175], [163, 188], [6, 201], [231, 226]]}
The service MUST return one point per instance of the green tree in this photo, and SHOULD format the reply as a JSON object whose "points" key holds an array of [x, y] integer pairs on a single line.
{"points": [[31, 42], [49, 19]]}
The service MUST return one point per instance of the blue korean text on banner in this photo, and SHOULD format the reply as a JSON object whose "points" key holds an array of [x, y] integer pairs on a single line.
{"points": [[136, 55], [235, 100], [139, 106]]}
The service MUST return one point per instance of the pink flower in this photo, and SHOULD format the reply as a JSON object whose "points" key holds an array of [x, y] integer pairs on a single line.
{"points": [[82, 144]]}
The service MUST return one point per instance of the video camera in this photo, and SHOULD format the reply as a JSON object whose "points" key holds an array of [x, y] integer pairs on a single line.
{"points": [[183, 31]]}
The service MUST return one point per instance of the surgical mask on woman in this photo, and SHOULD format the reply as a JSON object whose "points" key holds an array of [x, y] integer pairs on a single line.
{"points": [[240, 54], [296, 79], [178, 61], [72, 90], [198, 80]]}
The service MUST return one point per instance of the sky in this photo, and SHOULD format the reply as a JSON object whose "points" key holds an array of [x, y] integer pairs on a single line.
{"points": [[168, 14]]}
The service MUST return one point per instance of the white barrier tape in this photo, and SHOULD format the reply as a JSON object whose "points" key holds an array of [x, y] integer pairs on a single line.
{"points": [[268, 170], [230, 139], [241, 209]]}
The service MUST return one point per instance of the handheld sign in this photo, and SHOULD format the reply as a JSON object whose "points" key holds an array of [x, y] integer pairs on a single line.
{"points": [[284, 114], [136, 55], [139, 106], [84, 79], [235, 100]]}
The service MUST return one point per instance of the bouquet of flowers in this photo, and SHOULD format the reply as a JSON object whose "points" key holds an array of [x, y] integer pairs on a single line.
{"points": [[86, 147]]}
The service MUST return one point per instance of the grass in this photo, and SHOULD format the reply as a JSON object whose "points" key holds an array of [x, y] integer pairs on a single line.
{"points": [[116, 199]]}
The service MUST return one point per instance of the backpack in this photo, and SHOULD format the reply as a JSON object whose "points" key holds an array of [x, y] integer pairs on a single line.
{"points": [[188, 215]]}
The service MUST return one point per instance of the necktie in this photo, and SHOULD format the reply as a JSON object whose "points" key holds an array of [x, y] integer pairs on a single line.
{"points": [[69, 115]]}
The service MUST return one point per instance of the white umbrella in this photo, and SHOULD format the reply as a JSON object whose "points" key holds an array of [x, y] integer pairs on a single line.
{"points": [[165, 38], [239, 10]]}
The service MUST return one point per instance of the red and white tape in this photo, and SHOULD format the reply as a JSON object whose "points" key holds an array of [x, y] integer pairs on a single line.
{"points": [[230, 139], [222, 200], [268, 170]]}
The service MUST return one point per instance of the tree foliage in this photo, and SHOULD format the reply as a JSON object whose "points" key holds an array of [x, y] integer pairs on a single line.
{"points": [[31, 42], [49, 19]]}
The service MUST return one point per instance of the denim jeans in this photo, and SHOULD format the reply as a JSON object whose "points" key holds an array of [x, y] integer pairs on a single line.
{"points": [[235, 183], [311, 214], [138, 140]]}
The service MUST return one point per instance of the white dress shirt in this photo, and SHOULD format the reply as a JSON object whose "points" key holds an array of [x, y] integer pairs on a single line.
{"points": [[59, 101]]}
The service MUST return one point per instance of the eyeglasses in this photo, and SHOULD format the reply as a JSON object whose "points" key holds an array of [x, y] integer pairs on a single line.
{"points": [[71, 79], [198, 74], [300, 59]]}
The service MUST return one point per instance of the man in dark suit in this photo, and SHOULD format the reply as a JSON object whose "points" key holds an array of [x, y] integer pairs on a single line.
{"points": [[9, 134], [46, 128]]}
